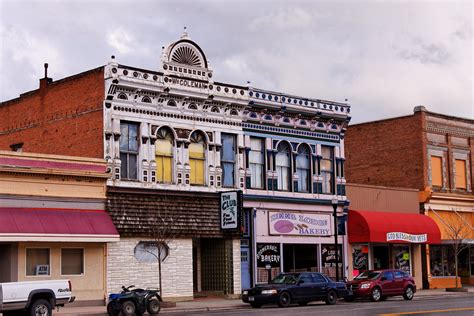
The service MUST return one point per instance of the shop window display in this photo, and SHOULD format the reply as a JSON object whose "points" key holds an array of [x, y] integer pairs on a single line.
{"points": [[401, 254], [360, 259], [328, 260], [300, 258], [442, 261]]}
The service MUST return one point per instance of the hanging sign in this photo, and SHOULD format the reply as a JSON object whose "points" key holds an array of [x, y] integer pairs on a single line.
{"points": [[301, 224], [407, 237], [230, 209]]}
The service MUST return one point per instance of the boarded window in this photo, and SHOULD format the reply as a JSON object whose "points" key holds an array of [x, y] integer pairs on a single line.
{"points": [[436, 171], [37, 261], [228, 160], [164, 156], [460, 174], [196, 163], [256, 163], [72, 261]]}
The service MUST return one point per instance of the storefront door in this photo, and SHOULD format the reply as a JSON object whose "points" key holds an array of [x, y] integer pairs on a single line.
{"points": [[300, 257], [381, 257]]}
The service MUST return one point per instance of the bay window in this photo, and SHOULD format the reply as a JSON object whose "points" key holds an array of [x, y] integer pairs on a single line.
{"points": [[283, 166], [327, 169], [303, 168], [257, 163], [228, 153], [129, 150], [164, 155]]}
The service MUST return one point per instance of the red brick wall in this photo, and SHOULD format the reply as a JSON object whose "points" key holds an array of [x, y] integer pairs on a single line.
{"points": [[64, 118], [388, 152]]}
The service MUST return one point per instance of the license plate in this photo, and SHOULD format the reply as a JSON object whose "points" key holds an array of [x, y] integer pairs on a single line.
{"points": [[251, 298]]}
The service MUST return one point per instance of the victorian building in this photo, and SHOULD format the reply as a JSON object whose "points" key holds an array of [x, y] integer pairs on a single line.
{"points": [[294, 162], [180, 149], [432, 153]]}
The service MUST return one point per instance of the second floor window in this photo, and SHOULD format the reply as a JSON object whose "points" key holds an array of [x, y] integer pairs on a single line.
{"points": [[461, 174], [327, 169], [283, 166], [164, 155], [436, 171], [197, 158], [228, 160], [303, 168], [256, 163], [129, 150]]}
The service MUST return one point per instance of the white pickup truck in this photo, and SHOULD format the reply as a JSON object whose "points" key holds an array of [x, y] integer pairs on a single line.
{"points": [[34, 298]]}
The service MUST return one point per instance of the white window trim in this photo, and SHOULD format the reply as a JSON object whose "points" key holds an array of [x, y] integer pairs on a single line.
{"points": [[50, 263]]}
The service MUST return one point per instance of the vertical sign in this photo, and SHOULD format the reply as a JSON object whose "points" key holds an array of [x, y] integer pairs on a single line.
{"points": [[230, 208]]}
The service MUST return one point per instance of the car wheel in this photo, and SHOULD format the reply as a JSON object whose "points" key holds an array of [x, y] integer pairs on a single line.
{"points": [[376, 294], [408, 293], [331, 298], [284, 300], [111, 310], [349, 298], [40, 308], [128, 308], [256, 305], [303, 303], [153, 307]]}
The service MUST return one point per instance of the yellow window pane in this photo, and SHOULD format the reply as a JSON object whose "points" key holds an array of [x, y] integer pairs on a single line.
{"points": [[196, 150], [197, 171], [436, 171], [461, 174], [164, 169], [164, 147]]}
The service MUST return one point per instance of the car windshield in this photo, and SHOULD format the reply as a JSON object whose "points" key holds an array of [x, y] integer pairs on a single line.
{"points": [[285, 279], [368, 275]]}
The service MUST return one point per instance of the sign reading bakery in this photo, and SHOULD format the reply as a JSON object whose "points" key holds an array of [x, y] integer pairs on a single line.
{"points": [[299, 224]]}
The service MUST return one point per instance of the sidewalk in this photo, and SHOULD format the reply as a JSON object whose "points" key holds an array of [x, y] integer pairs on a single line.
{"points": [[216, 304]]}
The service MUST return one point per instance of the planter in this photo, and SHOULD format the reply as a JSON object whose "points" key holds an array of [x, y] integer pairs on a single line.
{"points": [[456, 289]]}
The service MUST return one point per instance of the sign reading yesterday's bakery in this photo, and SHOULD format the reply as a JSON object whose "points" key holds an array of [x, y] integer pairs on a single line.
{"points": [[300, 224]]}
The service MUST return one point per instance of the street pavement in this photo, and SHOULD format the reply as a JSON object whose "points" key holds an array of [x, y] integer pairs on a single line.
{"points": [[426, 302], [459, 306]]}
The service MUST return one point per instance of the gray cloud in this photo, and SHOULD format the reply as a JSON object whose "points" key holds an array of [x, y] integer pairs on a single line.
{"points": [[385, 57]]}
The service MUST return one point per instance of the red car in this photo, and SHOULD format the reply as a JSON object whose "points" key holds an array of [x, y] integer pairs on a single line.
{"points": [[380, 284]]}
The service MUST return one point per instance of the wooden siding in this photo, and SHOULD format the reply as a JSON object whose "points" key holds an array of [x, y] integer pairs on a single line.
{"points": [[134, 210]]}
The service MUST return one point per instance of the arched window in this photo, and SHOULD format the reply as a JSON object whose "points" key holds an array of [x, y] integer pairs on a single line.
{"points": [[122, 96], [303, 168], [164, 148], [146, 100], [197, 158], [192, 106], [283, 166], [172, 103]]}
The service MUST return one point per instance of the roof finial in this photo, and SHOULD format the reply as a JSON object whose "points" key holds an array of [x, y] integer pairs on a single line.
{"points": [[185, 33]]}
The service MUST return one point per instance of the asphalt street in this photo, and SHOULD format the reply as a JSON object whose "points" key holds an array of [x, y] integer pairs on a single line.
{"points": [[459, 306]]}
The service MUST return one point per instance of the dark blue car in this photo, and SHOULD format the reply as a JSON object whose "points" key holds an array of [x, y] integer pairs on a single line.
{"points": [[300, 288]]}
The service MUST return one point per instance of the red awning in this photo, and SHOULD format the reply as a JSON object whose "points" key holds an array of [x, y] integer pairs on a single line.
{"points": [[35, 224], [385, 227]]}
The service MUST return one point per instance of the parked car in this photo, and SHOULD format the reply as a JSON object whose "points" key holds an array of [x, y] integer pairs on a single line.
{"points": [[380, 284], [300, 288], [34, 298]]}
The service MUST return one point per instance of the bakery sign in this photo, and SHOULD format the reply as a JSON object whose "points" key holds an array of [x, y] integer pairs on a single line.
{"points": [[300, 224], [398, 236], [230, 209]]}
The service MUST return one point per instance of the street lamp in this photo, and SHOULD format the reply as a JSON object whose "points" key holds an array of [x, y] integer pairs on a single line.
{"points": [[334, 202]]}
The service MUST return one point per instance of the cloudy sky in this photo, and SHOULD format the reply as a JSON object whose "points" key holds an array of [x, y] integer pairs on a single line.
{"points": [[385, 57]]}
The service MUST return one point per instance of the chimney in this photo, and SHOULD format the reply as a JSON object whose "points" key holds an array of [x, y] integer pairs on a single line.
{"points": [[46, 80]]}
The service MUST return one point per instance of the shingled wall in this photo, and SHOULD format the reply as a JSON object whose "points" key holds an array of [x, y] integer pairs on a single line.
{"points": [[134, 211]]}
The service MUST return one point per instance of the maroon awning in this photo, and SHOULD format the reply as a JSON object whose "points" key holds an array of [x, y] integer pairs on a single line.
{"points": [[40, 224]]}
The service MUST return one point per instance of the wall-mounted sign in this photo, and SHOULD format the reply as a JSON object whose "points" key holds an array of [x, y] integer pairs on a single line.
{"points": [[392, 236], [301, 224], [186, 82], [42, 269], [268, 254], [230, 209]]}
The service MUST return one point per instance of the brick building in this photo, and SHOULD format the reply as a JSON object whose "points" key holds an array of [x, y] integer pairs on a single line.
{"points": [[432, 153]]}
